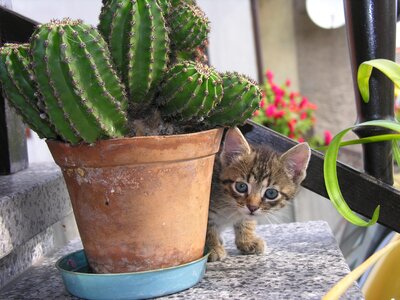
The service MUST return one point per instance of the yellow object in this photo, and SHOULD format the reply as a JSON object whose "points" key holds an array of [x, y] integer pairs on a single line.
{"points": [[384, 280], [341, 287]]}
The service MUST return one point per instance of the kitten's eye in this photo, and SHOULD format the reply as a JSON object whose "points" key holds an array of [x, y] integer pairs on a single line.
{"points": [[241, 187], [271, 193]]}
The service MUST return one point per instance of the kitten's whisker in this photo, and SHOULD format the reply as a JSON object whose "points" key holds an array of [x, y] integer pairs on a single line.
{"points": [[271, 219], [274, 219], [268, 219], [281, 218]]}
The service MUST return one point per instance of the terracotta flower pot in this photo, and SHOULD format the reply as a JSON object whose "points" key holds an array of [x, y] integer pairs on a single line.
{"points": [[140, 203]]}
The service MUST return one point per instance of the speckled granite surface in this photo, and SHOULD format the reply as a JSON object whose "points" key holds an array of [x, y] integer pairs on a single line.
{"points": [[31, 201], [302, 261]]}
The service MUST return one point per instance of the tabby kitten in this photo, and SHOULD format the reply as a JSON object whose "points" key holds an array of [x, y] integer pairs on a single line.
{"points": [[248, 183]]}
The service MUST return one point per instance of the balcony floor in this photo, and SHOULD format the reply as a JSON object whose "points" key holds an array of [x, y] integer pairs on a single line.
{"points": [[302, 261]]}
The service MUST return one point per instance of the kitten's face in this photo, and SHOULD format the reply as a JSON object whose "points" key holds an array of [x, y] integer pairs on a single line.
{"points": [[259, 180]]}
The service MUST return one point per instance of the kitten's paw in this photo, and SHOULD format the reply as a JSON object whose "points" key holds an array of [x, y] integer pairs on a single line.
{"points": [[253, 246], [217, 253]]}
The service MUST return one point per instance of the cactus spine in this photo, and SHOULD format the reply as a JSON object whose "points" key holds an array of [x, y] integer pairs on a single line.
{"points": [[83, 96], [190, 91], [165, 6], [138, 40], [241, 98], [19, 88]]}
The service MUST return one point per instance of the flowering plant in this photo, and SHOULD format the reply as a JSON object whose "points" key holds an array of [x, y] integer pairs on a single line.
{"points": [[288, 113]]}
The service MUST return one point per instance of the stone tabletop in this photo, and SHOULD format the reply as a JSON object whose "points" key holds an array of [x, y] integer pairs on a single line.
{"points": [[302, 261]]}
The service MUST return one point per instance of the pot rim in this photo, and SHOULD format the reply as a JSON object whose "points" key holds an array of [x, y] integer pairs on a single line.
{"points": [[137, 150], [147, 137]]}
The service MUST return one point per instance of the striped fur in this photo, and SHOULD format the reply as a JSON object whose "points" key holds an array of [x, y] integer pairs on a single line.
{"points": [[260, 168]]}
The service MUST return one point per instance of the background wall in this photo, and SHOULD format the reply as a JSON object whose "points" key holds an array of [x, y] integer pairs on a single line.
{"points": [[324, 71], [231, 37], [45, 10], [277, 33], [316, 60]]}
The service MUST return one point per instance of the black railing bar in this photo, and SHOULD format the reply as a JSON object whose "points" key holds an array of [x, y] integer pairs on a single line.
{"points": [[362, 192]]}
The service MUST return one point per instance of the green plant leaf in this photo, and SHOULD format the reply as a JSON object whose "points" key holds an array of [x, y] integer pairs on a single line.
{"points": [[330, 173], [387, 67], [370, 139], [333, 188], [396, 151]]}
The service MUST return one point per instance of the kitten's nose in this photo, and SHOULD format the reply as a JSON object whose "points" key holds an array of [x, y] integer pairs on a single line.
{"points": [[252, 208]]}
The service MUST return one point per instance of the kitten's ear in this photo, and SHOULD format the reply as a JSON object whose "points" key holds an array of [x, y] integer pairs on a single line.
{"points": [[296, 161], [234, 145]]}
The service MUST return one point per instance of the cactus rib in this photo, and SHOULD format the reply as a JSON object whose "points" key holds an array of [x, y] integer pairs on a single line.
{"points": [[189, 26], [19, 88], [165, 6], [138, 40], [190, 91], [65, 89], [241, 98], [53, 105], [71, 55], [85, 53]]}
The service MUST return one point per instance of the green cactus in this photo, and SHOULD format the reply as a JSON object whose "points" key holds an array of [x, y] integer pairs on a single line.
{"points": [[165, 6], [241, 98], [72, 90], [189, 91], [138, 39], [189, 26], [198, 54], [19, 88], [82, 93]]}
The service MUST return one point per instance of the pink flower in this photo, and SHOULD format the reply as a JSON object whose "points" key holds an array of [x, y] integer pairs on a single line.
{"points": [[262, 102], [269, 75], [278, 100], [300, 140], [270, 111], [256, 113], [293, 107], [303, 102], [303, 115], [292, 124], [279, 114], [311, 106], [288, 82], [327, 137], [275, 88]]}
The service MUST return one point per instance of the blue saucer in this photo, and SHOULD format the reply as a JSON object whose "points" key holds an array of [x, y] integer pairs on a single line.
{"points": [[80, 282]]}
